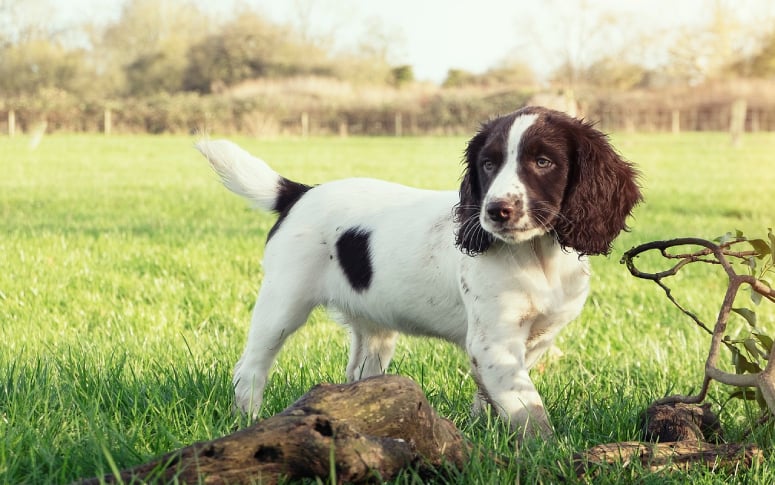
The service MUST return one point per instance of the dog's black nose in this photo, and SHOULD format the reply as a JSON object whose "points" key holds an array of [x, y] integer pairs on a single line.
{"points": [[500, 211]]}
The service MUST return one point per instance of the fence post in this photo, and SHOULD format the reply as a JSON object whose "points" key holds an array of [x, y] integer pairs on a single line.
{"points": [[629, 122], [756, 120], [107, 121], [11, 122], [675, 121], [343, 132], [737, 120], [304, 124], [399, 124]]}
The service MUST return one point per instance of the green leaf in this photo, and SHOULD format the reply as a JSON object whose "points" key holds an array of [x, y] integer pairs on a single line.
{"points": [[765, 340], [737, 362], [756, 297], [750, 346], [753, 368], [740, 363], [749, 315], [761, 247], [743, 365], [721, 240]]}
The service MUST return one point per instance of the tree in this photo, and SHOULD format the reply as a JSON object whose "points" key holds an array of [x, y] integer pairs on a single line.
{"points": [[316, 22], [511, 72], [402, 75], [250, 47], [34, 56], [457, 78], [508, 73], [20, 21], [28, 67], [726, 46], [581, 37], [155, 72], [698, 54], [761, 63], [614, 73], [147, 45], [371, 61]]}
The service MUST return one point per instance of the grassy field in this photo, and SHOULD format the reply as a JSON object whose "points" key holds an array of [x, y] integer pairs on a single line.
{"points": [[127, 276]]}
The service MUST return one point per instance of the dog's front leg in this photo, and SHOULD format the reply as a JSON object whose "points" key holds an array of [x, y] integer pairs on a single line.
{"points": [[498, 365], [499, 325]]}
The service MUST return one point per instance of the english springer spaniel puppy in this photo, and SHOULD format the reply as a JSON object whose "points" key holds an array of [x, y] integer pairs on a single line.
{"points": [[498, 268]]}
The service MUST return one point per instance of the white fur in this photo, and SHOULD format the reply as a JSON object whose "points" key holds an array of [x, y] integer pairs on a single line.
{"points": [[504, 307], [241, 172]]}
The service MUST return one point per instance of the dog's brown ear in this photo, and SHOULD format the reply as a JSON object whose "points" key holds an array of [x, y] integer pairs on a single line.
{"points": [[602, 191], [470, 237]]}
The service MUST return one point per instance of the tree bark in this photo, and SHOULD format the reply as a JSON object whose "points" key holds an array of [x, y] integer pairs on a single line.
{"points": [[357, 432]]}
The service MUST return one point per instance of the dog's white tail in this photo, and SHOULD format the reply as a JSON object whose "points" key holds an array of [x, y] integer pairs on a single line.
{"points": [[250, 177]]}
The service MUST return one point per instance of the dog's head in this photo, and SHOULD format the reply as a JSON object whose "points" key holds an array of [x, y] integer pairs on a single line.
{"points": [[538, 171]]}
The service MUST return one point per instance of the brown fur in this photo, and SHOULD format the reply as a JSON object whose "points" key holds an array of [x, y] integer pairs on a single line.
{"points": [[594, 199]]}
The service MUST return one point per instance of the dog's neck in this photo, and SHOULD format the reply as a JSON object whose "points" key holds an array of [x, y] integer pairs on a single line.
{"points": [[542, 253]]}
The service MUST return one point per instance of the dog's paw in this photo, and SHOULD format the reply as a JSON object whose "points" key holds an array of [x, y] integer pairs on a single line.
{"points": [[247, 395], [532, 422]]}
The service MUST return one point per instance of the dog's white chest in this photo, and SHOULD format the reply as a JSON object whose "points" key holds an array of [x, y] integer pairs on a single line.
{"points": [[527, 293]]}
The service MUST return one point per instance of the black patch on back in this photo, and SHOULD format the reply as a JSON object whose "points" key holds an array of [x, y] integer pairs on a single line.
{"points": [[288, 193], [354, 255]]}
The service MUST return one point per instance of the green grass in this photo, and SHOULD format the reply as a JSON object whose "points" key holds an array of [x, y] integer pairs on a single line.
{"points": [[127, 276]]}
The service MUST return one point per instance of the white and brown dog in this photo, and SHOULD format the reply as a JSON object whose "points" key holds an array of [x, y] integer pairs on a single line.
{"points": [[498, 268]]}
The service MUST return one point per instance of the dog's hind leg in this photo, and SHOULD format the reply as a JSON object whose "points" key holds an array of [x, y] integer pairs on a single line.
{"points": [[371, 349], [273, 321]]}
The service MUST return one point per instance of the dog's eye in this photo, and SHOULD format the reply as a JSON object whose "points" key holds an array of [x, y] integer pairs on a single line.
{"points": [[543, 162], [488, 165]]}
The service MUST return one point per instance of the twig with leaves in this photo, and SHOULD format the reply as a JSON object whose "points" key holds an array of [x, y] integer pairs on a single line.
{"points": [[757, 256]]}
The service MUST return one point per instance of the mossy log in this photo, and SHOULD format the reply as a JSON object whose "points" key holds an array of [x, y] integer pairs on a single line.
{"points": [[367, 430]]}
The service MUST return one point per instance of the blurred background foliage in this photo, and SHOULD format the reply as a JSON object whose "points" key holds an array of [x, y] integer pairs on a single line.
{"points": [[169, 66]]}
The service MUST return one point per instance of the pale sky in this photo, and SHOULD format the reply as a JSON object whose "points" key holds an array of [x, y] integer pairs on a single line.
{"points": [[436, 35]]}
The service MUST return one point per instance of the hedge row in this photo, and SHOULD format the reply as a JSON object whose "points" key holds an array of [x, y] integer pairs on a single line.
{"points": [[264, 115], [406, 113]]}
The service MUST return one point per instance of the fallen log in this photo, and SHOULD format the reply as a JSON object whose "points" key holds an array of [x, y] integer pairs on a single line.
{"points": [[364, 431], [677, 455], [679, 436]]}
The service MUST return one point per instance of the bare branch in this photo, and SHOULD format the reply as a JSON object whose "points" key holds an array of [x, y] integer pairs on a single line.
{"points": [[696, 399], [764, 380], [737, 380]]}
